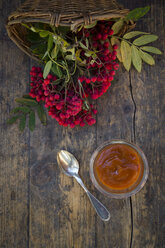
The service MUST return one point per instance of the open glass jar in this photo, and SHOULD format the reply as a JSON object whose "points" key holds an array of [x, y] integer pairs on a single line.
{"points": [[118, 169]]}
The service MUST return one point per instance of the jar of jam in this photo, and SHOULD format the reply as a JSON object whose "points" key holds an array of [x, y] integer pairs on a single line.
{"points": [[118, 169]]}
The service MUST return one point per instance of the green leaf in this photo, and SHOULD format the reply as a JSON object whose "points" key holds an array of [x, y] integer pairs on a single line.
{"points": [[87, 43], [32, 120], [21, 109], [133, 34], [126, 54], [60, 41], [147, 58], [22, 123], [12, 119], [71, 50], [137, 13], [94, 56], [91, 25], [136, 59], [41, 114], [151, 49], [77, 55], [55, 51], [70, 57], [44, 33], [87, 54], [79, 28], [50, 42], [47, 68], [25, 101], [117, 26], [27, 97], [25, 25], [83, 46], [46, 53], [56, 70], [144, 39], [36, 30], [118, 50]]}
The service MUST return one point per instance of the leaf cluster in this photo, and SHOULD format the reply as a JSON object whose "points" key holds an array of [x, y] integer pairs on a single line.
{"points": [[51, 46], [26, 109], [136, 51]]}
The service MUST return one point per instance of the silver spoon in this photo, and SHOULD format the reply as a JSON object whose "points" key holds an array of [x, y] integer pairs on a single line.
{"points": [[70, 167]]}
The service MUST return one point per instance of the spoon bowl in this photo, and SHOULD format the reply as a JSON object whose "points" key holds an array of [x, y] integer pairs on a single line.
{"points": [[68, 163], [70, 167]]}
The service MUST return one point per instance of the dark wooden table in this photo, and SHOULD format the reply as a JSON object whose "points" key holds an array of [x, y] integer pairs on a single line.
{"points": [[42, 208]]}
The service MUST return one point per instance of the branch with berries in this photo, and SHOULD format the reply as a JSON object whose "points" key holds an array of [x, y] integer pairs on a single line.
{"points": [[80, 66]]}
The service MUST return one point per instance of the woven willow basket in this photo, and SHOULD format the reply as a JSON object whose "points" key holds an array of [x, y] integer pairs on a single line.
{"points": [[71, 13]]}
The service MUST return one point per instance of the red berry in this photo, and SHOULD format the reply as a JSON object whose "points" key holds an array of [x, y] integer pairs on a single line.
{"points": [[99, 79], [51, 98], [46, 92], [72, 125], [93, 79], [56, 97], [40, 92], [82, 124], [87, 34], [91, 122], [88, 80], [33, 68], [106, 52], [110, 32], [112, 73], [50, 77], [58, 106], [106, 44], [115, 46], [110, 78], [46, 81], [40, 75], [94, 111], [33, 79], [38, 98], [113, 57], [105, 36], [81, 79], [99, 36], [114, 53]]}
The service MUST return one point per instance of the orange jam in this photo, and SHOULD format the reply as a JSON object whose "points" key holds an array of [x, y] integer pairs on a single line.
{"points": [[118, 166]]}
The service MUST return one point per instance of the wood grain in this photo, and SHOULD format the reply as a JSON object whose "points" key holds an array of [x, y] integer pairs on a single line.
{"points": [[40, 207], [14, 150], [147, 90], [114, 121]]}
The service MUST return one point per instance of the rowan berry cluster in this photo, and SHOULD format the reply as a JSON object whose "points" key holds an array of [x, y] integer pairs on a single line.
{"points": [[66, 109], [102, 69], [69, 105]]}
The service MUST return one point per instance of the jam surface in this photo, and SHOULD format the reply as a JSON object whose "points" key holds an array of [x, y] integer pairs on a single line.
{"points": [[117, 166]]}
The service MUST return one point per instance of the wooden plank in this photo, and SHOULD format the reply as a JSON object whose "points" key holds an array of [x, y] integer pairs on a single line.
{"points": [[147, 90], [14, 146], [14, 152], [61, 214], [114, 121], [6, 7]]}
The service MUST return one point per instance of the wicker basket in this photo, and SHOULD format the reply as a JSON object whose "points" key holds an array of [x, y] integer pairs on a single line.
{"points": [[71, 13]]}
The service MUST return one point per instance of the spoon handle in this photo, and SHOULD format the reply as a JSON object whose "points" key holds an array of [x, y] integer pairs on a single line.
{"points": [[99, 207]]}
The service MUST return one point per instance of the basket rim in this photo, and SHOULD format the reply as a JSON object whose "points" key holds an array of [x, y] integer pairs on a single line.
{"points": [[59, 19]]}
